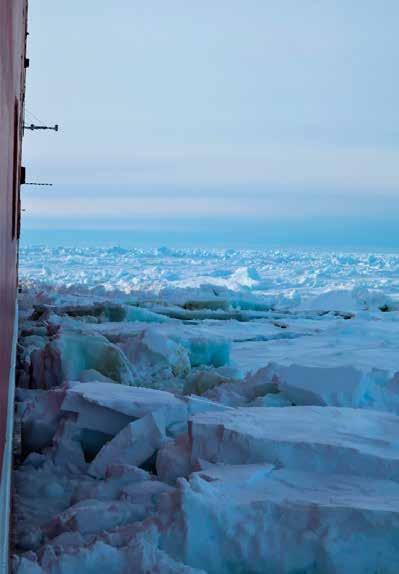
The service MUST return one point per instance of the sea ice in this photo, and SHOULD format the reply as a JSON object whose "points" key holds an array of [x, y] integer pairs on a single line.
{"points": [[357, 299], [68, 354], [100, 557], [109, 408], [39, 412], [322, 439], [174, 459], [202, 380], [94, 516], [233, 519], [135, 444], [151, 350], [264, 435]]}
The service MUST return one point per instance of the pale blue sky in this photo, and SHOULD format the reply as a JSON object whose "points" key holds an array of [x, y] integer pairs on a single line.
{"points": [[177, 109]]}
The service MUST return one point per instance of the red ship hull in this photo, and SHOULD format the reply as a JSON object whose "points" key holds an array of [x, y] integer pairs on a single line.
{"points": [[13, 21]]}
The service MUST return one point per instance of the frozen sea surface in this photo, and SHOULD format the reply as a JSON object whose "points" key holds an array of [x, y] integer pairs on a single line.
{"points": [[219, 411], [260, 272]]}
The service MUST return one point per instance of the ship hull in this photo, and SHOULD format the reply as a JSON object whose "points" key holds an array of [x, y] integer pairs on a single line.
{"points": [[13, 21]]}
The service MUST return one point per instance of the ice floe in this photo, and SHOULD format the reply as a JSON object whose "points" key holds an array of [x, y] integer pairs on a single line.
{"points": [[230, 519], [324, 439]]}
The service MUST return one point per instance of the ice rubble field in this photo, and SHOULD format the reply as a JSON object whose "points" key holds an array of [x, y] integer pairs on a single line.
{"points": [[226, 412]]}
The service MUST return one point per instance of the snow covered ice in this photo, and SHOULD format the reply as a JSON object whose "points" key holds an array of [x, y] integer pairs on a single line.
{"points": [[207, 411], [347, 441]]}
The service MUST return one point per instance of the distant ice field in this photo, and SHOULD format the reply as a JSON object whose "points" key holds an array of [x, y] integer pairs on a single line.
{"points": [[297, 275]]}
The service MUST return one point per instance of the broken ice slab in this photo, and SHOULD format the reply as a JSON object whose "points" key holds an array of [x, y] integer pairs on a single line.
{"points": [[98, 312], [324, 439], [335, 386], [40, 413], [235, 474], [150, 351], [284, 522], [117, 476], [145, 493], [141, 556], [109, 408], [70, 353], [242, 392], [94, 516], [200, 405], [202, 380], [174, 459], [135, 444], [42, 491], [339, 386]]}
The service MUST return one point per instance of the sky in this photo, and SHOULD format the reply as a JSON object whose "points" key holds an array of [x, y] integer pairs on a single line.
{"points": [[212, 121]]}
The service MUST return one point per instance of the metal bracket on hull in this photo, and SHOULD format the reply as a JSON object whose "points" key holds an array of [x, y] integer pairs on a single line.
{"points": [[33, 127], [33, 183]]}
